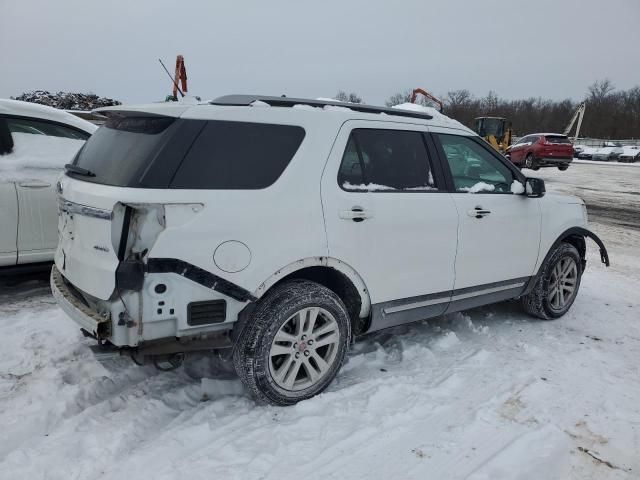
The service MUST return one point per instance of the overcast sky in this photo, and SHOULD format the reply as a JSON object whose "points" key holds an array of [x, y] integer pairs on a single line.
{"points": [[518, 48]]}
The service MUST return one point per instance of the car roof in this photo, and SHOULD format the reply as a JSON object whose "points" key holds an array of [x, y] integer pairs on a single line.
{"points": [[547, 134], [34, 110], [406, 112]]}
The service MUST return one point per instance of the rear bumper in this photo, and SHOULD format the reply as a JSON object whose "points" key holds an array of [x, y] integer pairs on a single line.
{"points": [[554, 161], [72, 304]]}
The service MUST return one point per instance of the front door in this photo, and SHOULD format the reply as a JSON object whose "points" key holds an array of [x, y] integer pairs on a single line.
{"points": [[8, 222], [388, 216], [499, 233]]}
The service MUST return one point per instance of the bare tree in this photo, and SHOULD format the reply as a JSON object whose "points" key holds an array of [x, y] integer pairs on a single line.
{"points": [[456, 98], [398, 98], [600, 89], [352, 97]]}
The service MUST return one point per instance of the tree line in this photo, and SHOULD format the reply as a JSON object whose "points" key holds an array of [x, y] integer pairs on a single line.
{"points": [[610, 113]]}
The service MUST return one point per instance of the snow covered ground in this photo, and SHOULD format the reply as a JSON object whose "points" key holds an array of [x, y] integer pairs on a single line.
{"points": [[485, 394]]}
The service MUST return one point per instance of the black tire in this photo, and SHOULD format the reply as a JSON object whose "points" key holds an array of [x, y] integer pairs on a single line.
{"points": [[562, 168], [530, 163], [537, 302], [252, 351]]}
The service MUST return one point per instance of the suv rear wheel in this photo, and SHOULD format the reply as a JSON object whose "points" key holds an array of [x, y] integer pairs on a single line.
{"points": [[293, 344], [557, 284], [562, 168]]}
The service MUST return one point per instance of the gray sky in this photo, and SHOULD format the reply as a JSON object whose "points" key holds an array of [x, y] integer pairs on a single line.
{"points": [[518, 48]]}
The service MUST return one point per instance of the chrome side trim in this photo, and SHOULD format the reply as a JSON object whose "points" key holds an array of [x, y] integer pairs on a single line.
{"points": [[77, 209], [410, 306], [485, 291]]}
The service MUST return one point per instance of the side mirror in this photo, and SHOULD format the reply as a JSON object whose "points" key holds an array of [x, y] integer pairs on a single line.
{"points": [[534, 187]]}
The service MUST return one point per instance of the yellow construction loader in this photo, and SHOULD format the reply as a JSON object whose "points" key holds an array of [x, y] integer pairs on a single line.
{"points": [[495, 130]]}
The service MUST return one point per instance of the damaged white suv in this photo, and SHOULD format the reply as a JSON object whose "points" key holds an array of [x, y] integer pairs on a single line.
{"points": [[281, 229]]}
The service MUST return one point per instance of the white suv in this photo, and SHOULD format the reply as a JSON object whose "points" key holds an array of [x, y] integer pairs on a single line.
{"points": [[281, 229]]}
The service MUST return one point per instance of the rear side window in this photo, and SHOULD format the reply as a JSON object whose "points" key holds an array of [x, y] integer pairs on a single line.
{"points": [[40, 127], [238, 155], [557, 139], [119, 151], [379, 160]]}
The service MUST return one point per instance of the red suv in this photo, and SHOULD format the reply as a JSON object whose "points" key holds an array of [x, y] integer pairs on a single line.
{"points": [[541, 150]]}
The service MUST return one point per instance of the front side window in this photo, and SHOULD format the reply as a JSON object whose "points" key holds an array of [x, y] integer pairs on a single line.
{"points": [[40, 127], [474, 169], [385, 160]]}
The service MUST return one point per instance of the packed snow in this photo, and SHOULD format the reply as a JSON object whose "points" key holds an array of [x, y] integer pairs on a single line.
{"points": [[35, 156], [517, 188], [485, 394], [431, 111], [478, 187]]}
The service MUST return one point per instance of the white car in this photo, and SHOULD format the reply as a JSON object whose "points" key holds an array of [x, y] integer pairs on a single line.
{"points": [[607, 154], [281, 229], [35, 143], [630, 154]]}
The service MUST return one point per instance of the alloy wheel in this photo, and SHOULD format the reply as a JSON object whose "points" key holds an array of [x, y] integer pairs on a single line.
{"points": [[562, 283], [528, 162], [304, 349]]}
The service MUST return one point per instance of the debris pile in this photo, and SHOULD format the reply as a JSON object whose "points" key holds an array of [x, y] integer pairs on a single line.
{"points": [[67, 100]]}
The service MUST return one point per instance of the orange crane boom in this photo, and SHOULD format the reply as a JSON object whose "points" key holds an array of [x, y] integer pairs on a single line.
{"points": [[426, 94], [180, 76]]}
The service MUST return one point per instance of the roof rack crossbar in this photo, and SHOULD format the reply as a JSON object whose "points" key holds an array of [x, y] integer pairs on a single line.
{"points": [[246, 100]]}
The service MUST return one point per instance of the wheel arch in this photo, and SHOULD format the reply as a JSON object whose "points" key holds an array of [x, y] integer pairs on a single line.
{"points": [[576, 236], [332, 273]]}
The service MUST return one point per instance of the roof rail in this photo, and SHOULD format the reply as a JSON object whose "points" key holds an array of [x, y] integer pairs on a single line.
{"points": [[246, 100]]}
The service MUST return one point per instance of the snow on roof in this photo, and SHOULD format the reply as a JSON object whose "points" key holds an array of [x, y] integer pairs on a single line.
{"points": [[177, 109], [34, 110], [437, 116]]}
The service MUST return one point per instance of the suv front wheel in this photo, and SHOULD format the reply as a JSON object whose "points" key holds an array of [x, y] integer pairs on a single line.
{"points": [[293, 344], [557, 284]]}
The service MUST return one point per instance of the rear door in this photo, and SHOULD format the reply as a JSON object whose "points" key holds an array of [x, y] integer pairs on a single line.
{"points": [[499, 231], [9, 223], [516, 153], [41, 149], [388, 216]]}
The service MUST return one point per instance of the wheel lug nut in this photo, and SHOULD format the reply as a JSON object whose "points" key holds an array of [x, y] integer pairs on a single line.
{"points": [[310, 342], [298, 355], [304, 337], [306, 353], [295, 346]]}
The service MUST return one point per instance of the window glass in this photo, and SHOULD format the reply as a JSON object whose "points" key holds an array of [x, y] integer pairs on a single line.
{"points": [[238, 155], [473, 168], [557, 139], [377, 159], [38, 127], [120, 150]]}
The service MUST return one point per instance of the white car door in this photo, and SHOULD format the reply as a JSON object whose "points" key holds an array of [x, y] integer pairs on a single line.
{"points": [[9, 222], [38, 227], [499, 232], [40, 151], [388, 217]]}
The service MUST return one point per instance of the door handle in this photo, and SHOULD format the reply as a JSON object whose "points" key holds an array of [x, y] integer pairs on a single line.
{"points": [[34, 184], [478, 212], [357, 214]]}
